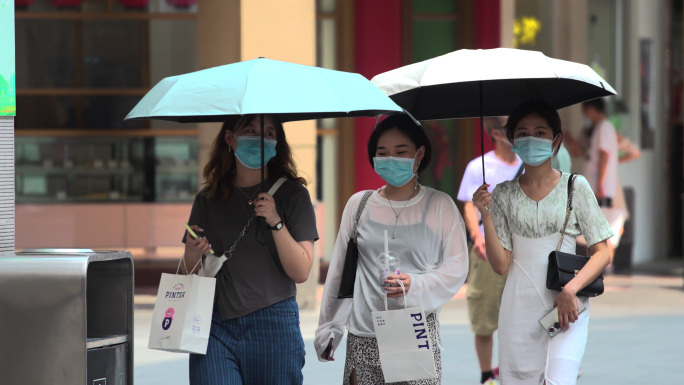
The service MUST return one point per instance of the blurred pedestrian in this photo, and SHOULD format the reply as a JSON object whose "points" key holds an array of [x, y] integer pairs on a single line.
{"points": [[522, 219], [601, 166], [255, 336], [562, 160], [484, 285], [606, 149], [426, 232]]}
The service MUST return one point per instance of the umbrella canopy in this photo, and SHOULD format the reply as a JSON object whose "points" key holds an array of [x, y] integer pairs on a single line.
{"points": [[492, 82], [263, 86], [488, 82]]}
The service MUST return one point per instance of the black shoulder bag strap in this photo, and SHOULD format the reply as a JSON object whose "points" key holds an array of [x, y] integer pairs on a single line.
{"points": [[568, 210], [362, 204], [520, 170], [351, 256]]}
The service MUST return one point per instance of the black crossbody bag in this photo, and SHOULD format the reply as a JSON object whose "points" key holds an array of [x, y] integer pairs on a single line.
{"points": [[564, 266], [351, 259]]}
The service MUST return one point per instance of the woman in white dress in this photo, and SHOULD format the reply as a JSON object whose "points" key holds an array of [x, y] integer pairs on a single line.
{"points": [[426, 232], [522, 219]]}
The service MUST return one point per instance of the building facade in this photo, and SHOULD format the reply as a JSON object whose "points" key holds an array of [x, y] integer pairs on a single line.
{"points": [[85, 178]]}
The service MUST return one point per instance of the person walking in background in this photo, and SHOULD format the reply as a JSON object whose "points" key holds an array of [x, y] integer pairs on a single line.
{"points": [[255, 336], [426, 232], [484, 285], [605, 149], [522, 220], [601, 167], [562, 160]]}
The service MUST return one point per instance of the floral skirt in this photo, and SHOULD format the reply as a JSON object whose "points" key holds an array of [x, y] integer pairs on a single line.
{"points": [[363, 357]]}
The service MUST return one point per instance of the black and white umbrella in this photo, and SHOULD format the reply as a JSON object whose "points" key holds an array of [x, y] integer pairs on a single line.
{"points": [[488, 82]]}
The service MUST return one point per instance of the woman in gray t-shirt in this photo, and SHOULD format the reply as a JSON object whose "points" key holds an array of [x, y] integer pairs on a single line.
{"points": [[255, 336]]}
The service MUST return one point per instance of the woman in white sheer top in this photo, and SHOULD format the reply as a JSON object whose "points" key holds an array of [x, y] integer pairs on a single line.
{"points": [[426, 232]]}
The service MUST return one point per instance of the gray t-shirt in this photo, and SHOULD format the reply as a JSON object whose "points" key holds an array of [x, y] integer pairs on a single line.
{"points": [[253, 278]]}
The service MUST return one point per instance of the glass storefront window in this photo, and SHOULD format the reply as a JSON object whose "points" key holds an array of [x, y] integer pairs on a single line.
{"points": [[112, 53], [106, 6], [107, 112], [86, 70], [106, 169], [50, 111], [45, 53]]}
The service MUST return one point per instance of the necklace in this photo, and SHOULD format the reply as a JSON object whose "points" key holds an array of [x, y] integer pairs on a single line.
{"points": [[396, 214], [250, 199]]}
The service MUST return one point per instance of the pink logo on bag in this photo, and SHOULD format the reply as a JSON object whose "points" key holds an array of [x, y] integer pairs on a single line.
{"points": [[178, 286], [166, 322]]}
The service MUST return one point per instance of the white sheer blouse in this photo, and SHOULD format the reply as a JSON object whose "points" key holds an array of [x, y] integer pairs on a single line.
{"points": [[430, 242]]}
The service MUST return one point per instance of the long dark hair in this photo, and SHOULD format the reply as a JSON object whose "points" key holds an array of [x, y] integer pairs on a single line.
{"points": [[220, 169]]}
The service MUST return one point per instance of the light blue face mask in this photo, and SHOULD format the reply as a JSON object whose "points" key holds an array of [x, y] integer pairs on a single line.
{"points": [[533, 151], [248, 151], [395, 171]]}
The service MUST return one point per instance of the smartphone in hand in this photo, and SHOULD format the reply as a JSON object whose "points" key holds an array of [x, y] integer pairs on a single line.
{"points": [[195, 235], [549, 322], [329, 350]]}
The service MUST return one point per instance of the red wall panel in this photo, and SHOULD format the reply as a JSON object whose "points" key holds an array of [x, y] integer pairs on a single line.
{"points": [[487, 35], [377, 48]]}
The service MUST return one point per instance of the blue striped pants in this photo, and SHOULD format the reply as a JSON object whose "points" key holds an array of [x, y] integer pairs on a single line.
{"points": [[261, 348]]}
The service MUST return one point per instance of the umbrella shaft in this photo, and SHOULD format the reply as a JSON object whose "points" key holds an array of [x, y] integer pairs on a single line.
{"points": [[482, 133], [261, 121]]}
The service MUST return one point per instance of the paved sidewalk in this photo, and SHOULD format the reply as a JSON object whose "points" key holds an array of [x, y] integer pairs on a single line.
{"points": [[635, 337]]}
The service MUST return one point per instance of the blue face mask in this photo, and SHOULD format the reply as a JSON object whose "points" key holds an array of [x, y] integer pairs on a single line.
{"points": [[533, 151], [395, 171], [248, 151]]}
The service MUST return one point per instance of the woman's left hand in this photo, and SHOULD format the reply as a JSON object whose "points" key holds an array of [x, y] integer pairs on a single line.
{"points": [[265, 207], [566, 302], [394, 290]]}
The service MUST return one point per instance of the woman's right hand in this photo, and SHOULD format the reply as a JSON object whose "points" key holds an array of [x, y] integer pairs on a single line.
{"points": [[200, 244], [482, 199]]}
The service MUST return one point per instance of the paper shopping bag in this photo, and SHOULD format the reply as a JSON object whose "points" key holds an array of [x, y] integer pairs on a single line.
{"points": [[406, 352], [182, 314]]}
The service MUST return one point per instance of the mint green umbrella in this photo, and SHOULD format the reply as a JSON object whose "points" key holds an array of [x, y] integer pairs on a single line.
{"points": [[263, 86]]}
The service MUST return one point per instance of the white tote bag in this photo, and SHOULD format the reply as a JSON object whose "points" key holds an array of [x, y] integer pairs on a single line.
{"points": [[182, 313], [406, 352]]}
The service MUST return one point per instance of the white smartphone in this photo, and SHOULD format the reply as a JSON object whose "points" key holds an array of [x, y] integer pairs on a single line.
{"points": [[549, 322]]}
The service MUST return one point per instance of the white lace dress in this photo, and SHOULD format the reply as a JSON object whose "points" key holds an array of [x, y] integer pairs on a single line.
{"points": [[530, 229]]}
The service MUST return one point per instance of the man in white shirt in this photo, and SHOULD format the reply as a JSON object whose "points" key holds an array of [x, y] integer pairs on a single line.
{"points": [[601, 167], [484, 286]]}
